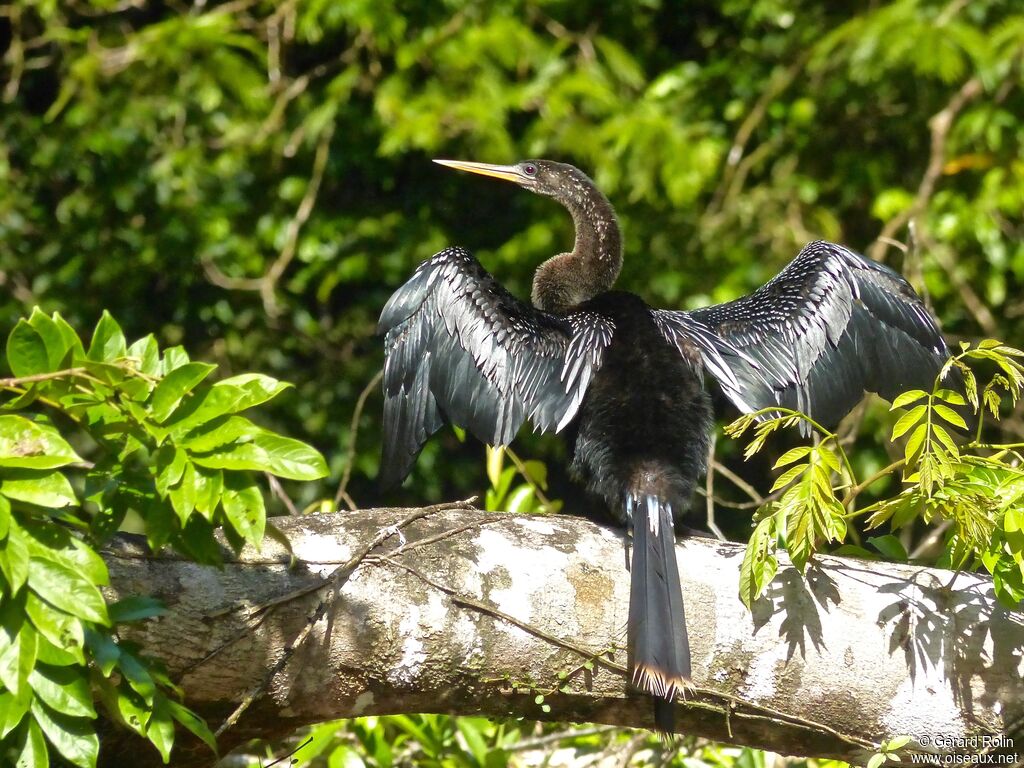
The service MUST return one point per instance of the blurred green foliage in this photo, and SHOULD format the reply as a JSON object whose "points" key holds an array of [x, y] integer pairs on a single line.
{"points": [[159, 160], [251, 179]]}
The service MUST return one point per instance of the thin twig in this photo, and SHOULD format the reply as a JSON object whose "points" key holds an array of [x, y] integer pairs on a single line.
{"points": [[277, 490], [856, 490], [490, 610], [934, 536], [67, 373], [709, 491], [350, 447], [528, 476], [739, 482], [778, 84], [720, 502], [333, 581], [452, 532], [940, 125], [267, 284], [553, 738], [757, 711], [970, 298]]}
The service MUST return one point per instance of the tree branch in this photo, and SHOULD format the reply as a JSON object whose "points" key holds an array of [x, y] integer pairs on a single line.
{"points": [[476, 613], [940, 124]]}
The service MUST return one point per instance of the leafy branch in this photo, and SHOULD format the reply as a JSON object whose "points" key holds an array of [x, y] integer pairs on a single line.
{"points": [[166, 453], [977, 487]]}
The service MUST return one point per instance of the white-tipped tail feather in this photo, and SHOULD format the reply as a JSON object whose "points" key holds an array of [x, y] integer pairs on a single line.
{"points": [[659, 653]]}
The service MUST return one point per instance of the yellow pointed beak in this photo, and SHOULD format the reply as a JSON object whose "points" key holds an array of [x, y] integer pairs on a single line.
{"points": [[505, 172]]}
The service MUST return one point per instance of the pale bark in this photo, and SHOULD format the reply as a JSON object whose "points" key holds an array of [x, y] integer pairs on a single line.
{"points": [[478, 613]]}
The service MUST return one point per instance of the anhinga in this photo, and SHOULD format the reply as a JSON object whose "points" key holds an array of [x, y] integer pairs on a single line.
{"points": [[629, 379]]}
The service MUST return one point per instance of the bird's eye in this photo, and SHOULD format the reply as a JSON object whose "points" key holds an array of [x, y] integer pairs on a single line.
{"points": [[530, 169]]}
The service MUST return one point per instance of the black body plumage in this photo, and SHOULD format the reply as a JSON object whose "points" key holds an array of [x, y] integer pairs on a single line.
{"points": [[626, 381]]}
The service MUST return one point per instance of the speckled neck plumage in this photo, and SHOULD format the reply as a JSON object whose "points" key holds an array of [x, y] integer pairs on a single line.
{"points": [[569, 279]]}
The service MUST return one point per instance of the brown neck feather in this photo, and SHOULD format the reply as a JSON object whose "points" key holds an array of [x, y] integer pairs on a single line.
{"points": [[569, 279]]}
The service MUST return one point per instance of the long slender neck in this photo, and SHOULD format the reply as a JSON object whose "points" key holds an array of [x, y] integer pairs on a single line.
{"points": [[569, 279]]}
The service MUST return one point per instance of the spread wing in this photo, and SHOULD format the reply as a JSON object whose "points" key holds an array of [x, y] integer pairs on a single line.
{"points": [[828, 327], [459, 347]]}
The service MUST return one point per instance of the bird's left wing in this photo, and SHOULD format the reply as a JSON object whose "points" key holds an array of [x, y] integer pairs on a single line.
{"points": [[461, 348], [828, 327]]}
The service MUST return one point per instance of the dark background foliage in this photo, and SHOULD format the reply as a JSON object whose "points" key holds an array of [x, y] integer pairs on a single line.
{"points": [[252, 179]]}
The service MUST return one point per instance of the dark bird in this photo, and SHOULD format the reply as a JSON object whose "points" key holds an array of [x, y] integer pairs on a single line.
{"points": [[626, 381]]}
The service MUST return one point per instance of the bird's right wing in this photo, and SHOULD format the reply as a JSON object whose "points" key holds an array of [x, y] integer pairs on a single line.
{"points": [[461, 348], [828, 327]]}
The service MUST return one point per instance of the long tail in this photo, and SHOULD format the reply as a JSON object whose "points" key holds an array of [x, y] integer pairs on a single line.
{"points": [[659, 653]]}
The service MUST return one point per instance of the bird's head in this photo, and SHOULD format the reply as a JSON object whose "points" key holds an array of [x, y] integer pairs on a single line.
{"points": [[544, 177]]}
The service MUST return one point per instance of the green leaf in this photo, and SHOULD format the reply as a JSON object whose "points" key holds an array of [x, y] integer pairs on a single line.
{"points": [[74, 737], [33, 445], [63, 689], [536, 472], [267, 452], [876, 760], [160, 730], [66, 589], [905, 399], [217, 432], [44, 489], [896, 743], [949, 415], [12, 710], [828, 457], [147, 354], [193, 723], [914, 443], [105, 652], [60, 628], [788, 476], [793, 454], [951, 397], [5, 521], [26, 351], [136, 608], [137, 675], [32, 747], [204, 405], [470, 728], [14, 558], [50, 542], [173, 388], [946, 439], [183, 496], [75, 352], [244, 508], [56, 343], [174, 357], [209, 485], [520, 500], [55, 656], [133, 709], [759, 563], [890, 547], [170, 465], [18, 653], [108, 342], [258, 388], [907, 420], [495, 462]]}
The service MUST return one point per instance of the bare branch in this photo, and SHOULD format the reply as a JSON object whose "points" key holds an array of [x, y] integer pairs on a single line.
{"points": [[267, 284], [940, 124], [350, 447]]}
